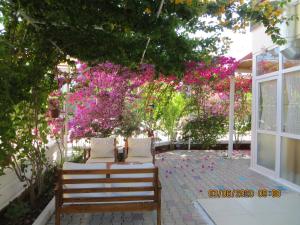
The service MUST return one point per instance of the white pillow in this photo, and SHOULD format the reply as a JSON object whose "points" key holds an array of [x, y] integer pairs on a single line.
{"points": [[132, 175], [81, 166], [139, 147], [102, 147]]}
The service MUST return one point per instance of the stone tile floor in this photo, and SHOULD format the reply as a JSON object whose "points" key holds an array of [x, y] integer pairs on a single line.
{"points": [[186, 176]]}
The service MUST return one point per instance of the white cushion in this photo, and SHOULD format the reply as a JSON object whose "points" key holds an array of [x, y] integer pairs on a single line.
{"points": [[102, 147], [100, 160], [139, 147], [140, 159], [81, 166], [138, 175]]}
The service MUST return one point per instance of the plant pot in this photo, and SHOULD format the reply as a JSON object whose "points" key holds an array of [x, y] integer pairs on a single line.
{"points": [[54, 113]]}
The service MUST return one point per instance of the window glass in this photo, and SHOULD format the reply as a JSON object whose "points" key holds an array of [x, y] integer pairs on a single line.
{"points": [[290, 160], [287, 63], [267, 62], [267, 105], [266, 148], [291, 103]]}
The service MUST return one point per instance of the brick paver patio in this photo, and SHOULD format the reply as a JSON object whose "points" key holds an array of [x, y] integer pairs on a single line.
{"points": [[185, 176]]}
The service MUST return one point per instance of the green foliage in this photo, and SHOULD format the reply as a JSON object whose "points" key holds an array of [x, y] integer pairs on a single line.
{"points": [[77, 155], [172, 113], [24, 151], [241, 127], [151, 106], [37, 35], [16, 210], [49, 179], [242, 117], [19, 211], [205, 130], [96, 31]]}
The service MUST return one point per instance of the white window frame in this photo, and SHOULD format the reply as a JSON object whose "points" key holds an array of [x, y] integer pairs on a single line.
{"points": [[277, 75]]}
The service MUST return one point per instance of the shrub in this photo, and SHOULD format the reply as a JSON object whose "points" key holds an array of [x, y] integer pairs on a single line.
{"points": [[77, 155], [16, 210], [205, 131]]}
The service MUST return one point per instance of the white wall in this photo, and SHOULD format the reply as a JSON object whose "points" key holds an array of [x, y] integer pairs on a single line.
{"points": [[260, 40], [11, 187]]}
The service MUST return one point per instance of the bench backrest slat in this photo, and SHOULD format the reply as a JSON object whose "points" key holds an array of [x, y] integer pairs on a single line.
{"points": [[108, 180], [140, 185], [107, 189], [110, 199], [109, 171]]}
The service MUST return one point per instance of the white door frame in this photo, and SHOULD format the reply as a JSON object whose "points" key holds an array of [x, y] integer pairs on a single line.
{"points": [[278, 75]]}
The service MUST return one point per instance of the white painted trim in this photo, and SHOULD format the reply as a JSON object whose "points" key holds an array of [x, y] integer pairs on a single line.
{"points": [[288, 135], [279, 180], [278, 119], [291, 69], [266, 132], [264, 170], [231, 116], [288, 184], [278, 75], [45, 215], [272, 76], [267, 75], [254, 116]]}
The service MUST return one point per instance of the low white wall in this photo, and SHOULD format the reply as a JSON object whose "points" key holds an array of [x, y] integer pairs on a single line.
{"points": [[11, 187]]}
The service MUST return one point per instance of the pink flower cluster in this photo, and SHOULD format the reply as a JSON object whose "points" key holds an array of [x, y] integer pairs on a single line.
{"points": [[56, 126], [213, 82], [99, 96], [201, 73]]}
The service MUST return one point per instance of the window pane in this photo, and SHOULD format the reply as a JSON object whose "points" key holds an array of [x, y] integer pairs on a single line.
{"points": [[287, 63], [267, 105], [290, 160], [291, 103], [266, 148], [267, 62]]}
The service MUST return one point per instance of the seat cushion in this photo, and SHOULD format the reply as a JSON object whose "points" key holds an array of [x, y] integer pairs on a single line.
{"points": [[140, 159], [137, 175], [102, 147], [100, 160], [139, 147], [81, 166]]}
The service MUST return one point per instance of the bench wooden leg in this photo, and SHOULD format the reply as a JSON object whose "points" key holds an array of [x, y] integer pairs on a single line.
{"points": [[57, 217], [158, 216]]}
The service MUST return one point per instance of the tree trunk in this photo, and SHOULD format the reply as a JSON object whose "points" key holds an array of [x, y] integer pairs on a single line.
{"points": [[32, 196]]}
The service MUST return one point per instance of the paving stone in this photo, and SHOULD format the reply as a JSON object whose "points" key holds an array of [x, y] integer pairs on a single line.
{"points": [[185, 176]]}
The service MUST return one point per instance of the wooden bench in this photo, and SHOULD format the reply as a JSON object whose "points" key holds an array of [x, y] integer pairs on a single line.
{"points": [[107, 190]]}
